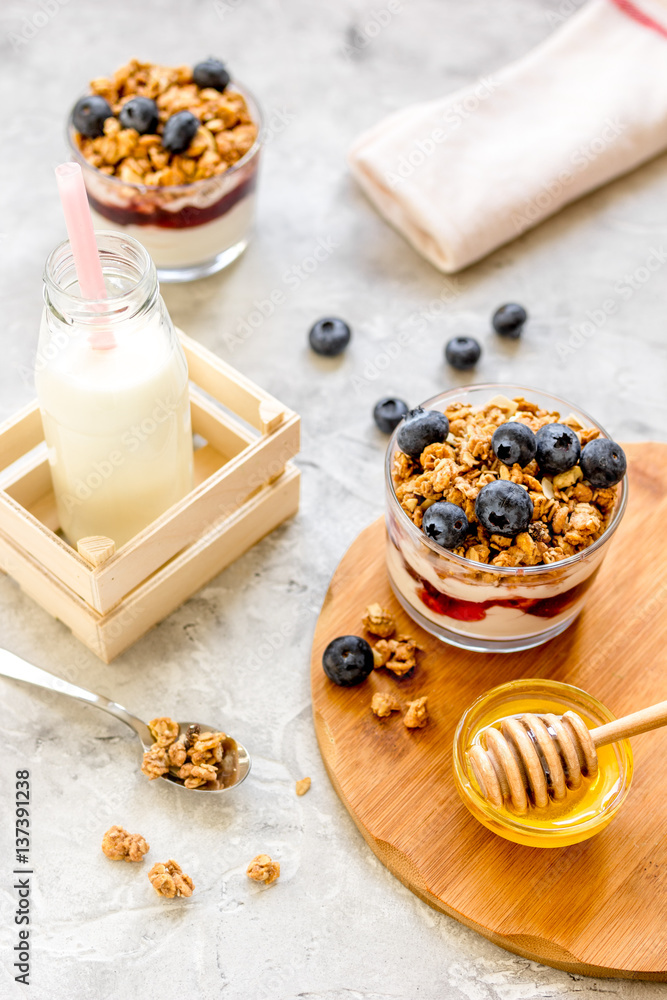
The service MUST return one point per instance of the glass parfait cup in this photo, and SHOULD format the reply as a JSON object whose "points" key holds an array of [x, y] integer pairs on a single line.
{"points": [[112, 386], [190, 230], [476, 605]]}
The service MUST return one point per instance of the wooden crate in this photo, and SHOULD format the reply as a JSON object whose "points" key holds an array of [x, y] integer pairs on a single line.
{"points": [[245, 486]]}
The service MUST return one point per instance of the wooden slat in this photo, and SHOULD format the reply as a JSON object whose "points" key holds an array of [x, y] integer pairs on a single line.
{"points": [[167, 589], [198, 564], [216, 498], [20, 434], [47, 590], [52, 552], [227, 435], [260, 409]]}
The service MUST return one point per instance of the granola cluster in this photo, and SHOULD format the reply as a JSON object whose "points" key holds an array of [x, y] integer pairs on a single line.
{"points": [[416, 716], [197, 758], [119, 845], [170, 880], [568, 513], [399, 654], [303, 786], [263, 869], [384, 704], [225, 134]]}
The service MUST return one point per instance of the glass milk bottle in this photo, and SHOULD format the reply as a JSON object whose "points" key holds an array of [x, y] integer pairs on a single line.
{"points": [[112, 385]]}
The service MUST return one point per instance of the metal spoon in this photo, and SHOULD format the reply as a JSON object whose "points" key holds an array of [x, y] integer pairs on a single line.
{"points": [[18, 669]]}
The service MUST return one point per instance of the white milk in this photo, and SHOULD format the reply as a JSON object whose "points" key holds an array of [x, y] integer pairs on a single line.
{"points": [[117, 426]]}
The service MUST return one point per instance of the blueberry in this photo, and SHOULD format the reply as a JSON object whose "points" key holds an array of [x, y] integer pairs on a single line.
{"points": [[514, 443], [211, 73], [179, 131], [508, 320], [348, 660], [558, 448], [139, 113], [446, 523], [462, 352], [90, 114], [388, 413], [329, 336], [421, 428], [603, 463], [504, 508]]}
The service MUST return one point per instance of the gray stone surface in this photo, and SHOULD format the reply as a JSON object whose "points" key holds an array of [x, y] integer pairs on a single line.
{"points": [[337, 925]]}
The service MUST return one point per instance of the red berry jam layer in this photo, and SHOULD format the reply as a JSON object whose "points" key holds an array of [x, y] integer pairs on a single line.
{"points": [[474, 611], [142, 213]]}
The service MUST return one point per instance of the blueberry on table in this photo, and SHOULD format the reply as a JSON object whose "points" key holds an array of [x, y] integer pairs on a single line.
{"points": [[329, 336], [514, 444], [348, 660], [504, 508], [421, 428], [179, 131], [90, 114], [211, 73], [558, 448], [603, 463], [388, 413], [462, 352], [141, 114], [446, 523], [508, 320]]}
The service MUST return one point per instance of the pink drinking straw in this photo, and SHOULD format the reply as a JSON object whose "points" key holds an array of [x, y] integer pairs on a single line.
{"points": [[81, 234]]}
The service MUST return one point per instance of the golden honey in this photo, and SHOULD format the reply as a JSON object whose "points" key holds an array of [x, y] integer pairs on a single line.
{"points": [[586, 810]]}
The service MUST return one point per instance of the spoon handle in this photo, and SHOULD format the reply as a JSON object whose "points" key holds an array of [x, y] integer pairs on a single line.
{"points": [[13, 666]]}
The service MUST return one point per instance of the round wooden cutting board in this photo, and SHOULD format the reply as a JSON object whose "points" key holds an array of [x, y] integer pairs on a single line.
{"points": [[597, 908]]}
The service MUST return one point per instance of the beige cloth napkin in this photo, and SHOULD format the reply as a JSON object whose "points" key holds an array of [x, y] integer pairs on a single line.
{"points": [[462, 175]]}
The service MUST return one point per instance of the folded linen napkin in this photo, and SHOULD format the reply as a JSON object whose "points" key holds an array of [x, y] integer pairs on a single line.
{"points": [[461, 175]]}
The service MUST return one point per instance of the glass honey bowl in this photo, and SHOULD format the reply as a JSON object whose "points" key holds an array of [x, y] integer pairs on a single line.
{"points": [[584, 811]]}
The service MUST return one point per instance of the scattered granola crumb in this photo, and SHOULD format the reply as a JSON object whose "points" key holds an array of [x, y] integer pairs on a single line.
{"points": [[416, 716], [263, 869], [155, 762], [383, 704], [398, 655], [119, 845], [169, 880], [302, 786], [379, 621], [163, 730]]}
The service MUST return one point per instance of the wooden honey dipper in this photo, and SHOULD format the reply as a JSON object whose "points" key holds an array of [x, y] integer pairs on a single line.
{"points": [[536, 758]]}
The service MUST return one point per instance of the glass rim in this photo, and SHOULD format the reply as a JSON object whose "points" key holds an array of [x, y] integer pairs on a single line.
{"points": [[505, 818], [148, 272], [512, 571], [171, 188]]}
